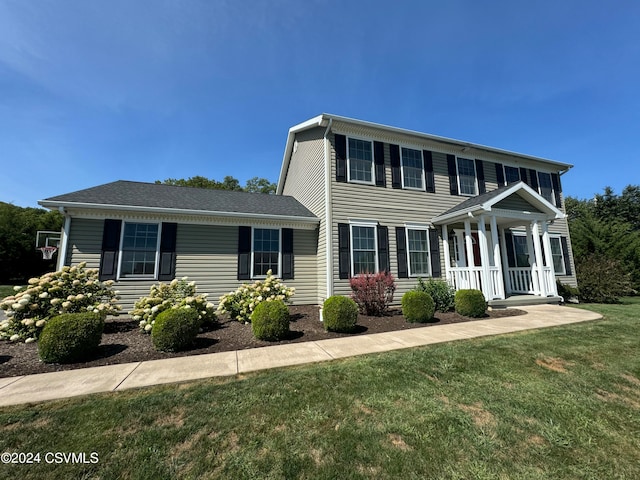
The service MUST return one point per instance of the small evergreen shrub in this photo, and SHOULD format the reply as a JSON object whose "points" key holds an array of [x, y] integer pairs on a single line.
{"points": [[70, 337], [441, 292], [373, 292], [470, 303], [339, 314], [602, 279], [417, 306], [567, 291], [270, 320], [175, 329]]}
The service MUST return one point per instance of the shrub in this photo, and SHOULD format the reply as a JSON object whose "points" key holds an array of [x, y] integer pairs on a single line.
{"points": [[602, 279], [339, 314], [70, 290], [177, 294], [441, 292], [373, 292], [470, 303], [70, 337], [566, 291], [270, 320], [417, 306], [241, 303], [175, 329]]}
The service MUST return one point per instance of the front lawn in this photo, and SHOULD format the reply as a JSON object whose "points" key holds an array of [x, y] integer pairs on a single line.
{"points": [[556, 403], [5, 291]]}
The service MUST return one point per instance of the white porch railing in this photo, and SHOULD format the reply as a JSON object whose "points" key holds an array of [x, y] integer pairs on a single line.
{"points": [[526, 280], [465, 277]]}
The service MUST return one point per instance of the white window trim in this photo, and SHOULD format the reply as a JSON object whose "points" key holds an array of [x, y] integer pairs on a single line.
{"points": [[504, 172], [424, 184], [120, 252], [475, 177], [424, 229], [369, 224], [373, 161], [262, 227], [564, 269]]}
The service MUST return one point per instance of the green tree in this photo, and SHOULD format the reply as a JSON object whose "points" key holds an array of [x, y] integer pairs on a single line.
{"points": [[253, 185]]}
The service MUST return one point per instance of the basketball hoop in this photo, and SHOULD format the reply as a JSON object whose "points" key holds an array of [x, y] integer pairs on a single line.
{"points": [[47, 252]]}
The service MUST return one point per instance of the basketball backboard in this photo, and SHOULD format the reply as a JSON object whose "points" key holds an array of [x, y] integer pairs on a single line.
{"points": [[45, 238]]}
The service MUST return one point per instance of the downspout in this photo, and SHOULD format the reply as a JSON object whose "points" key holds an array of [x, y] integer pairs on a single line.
{"points": [[328, 217], [64, 241]]}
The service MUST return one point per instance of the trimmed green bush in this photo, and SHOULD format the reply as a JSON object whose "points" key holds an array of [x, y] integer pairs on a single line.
{"points": [[340, 314], [470, 303], [417, 306], [441, 292], [175, 329], [270, 320], [70, 337]]}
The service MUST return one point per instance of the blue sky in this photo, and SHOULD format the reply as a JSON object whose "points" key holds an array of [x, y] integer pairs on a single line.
{"points": [[95, 91]]}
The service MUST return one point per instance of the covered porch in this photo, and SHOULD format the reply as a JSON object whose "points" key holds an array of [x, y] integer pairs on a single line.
{"points": [[499, 243]]}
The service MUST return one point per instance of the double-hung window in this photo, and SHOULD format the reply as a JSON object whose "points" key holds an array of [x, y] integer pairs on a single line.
{"points": [[412, 169], [360, 161], [265, 251], [418, 249], [557, 256], [467, 177], [511, 174], [546, 187], [521, 250], [364, 249], [140, 244]]}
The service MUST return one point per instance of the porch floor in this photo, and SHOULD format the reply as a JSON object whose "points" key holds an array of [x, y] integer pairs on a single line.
{"points": [[521, 300]]}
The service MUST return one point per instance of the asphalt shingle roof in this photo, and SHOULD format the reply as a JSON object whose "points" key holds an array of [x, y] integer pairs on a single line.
{"points": [[152, 195]]}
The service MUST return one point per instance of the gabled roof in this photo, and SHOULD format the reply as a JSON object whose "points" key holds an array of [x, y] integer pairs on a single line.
{"points": [[160, 198], [486, 202]]}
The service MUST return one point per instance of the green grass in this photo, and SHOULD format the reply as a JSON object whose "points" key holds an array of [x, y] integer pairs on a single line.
{"points": [[5, 291], [556, 403]]}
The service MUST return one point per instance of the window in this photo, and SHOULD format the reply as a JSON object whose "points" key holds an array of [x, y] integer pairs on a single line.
{"points": [[467, 177], [546, 187], [557, 255], [418, 248], [511, 175], [265, 252], [140, 245], [360, 158], [521, 250], [412, 169], [364, 249]]}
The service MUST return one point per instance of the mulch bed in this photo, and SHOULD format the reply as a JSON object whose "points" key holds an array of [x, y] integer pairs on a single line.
{"points": [[122, 341]]}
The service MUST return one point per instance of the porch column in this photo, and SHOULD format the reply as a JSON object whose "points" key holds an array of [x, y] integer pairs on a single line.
{"points": [[535, 278], [447, 256], [468, 243], [505, 263], [552, 289], [497, 260], [487, 284], [538, 254]]}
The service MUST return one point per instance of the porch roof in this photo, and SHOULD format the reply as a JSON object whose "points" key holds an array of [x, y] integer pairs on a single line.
{"points": [[486, 203]]}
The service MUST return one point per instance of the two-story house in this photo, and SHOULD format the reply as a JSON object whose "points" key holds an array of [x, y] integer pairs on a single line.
{"points": [[352, 197]]}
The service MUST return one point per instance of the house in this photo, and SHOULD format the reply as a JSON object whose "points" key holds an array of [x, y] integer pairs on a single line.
{"points": [[352, 197]]}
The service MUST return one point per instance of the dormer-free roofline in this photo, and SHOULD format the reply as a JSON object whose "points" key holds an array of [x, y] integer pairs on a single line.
{"points": [[323, 121]]}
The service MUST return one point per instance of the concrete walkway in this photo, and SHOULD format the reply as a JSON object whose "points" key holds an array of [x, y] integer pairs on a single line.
{"points": [[56, 385]]}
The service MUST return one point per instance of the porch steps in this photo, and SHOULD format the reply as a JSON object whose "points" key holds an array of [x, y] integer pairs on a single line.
{"points": [[522, 300]]}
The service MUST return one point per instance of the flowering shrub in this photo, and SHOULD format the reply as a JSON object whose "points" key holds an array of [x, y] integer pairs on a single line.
{"points": [[241, 303], [373, 292], [71, 290], [177, 294]]}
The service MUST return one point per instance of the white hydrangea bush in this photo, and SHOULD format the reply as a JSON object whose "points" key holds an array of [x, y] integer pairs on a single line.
{"points": [[177, 294], [70, 290], [241, 303]]}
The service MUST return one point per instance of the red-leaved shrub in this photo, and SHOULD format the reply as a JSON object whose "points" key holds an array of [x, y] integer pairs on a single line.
{"points": [[373, 292]]}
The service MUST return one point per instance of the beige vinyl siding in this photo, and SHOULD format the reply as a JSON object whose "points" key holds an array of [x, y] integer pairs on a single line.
{"points": [[516, 202], [85, 242], [305, 181]]}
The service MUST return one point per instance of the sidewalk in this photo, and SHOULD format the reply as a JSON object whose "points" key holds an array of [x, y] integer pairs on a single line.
{"points": [[56, 385]]}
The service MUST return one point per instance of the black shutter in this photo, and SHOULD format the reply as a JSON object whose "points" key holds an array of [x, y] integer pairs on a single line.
{"points": [[394, 151], [344, 251], [428, 172], [110, 249], [244, 253], [453, 174], [482, 186], [523, 176], [500, 174], [434, 253], [557, 189], [383, 248], [533, 179], [341, 158], [565, 255], [378, 158], [511, 257], [401, 247], [167, 270], [287, 253]]}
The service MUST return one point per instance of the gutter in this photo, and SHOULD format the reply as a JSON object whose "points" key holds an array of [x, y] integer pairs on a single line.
{"points": [[328, 210]]}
